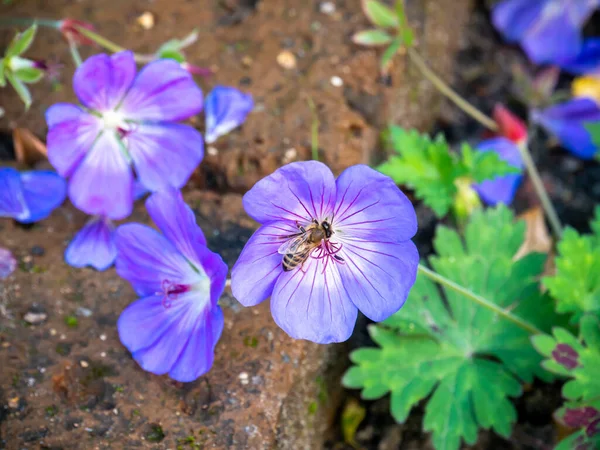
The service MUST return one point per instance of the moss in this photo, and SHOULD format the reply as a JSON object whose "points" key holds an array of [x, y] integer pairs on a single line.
{"points": [[154, 433], [71, 321], [51, 410], [312, 408], [251, 341], [63, 349]]}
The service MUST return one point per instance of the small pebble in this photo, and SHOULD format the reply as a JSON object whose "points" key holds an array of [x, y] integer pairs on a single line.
{"points": [[13, 403], [146, 20], [35, 318], [287, 60], [102, 337], [35, 315], [103, 354], [244, 378], [336, 81], [52, 332], [84, 364], [212, 151], [83, 312], [327, 8], [247, 61]]}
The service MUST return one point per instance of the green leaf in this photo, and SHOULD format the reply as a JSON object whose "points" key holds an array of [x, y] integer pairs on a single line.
{"points": [[29, 75], [171, 54], [576, 284], [379, 14], [21, 42], [372, 38], [388, 55], [483, 166], [425, 165], [21, 89], [441, 344]]}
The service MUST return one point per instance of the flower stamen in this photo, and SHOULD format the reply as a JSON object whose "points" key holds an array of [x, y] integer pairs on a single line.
{"points": [[171, 292]]}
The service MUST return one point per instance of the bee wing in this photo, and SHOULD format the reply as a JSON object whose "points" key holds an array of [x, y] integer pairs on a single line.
{"points": [[292, 245]]}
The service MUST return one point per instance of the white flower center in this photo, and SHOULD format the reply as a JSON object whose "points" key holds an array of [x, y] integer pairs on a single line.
{"points": [[113, 120]]}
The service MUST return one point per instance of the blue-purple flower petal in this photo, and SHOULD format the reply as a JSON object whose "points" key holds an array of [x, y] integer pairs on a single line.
{"points": [[103, 183], [370, 206], [146, 259], [71, 134], [94, 245], [162, 91], [198, 355], [177, 222], [30, 196], [12, 202], [587, 61], [165, 154], [255, 272], [8, 263], [226, 109], [295, 192], [313, 303], [548, 30], [43, 192], [501, 189], [567, 122], [102, 80]]}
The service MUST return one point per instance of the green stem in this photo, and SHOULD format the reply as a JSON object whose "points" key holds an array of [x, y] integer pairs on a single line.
{"points": [[74, 53], [532, 329], [27, 21], [110, 45], [540, 190], [449, 92]]}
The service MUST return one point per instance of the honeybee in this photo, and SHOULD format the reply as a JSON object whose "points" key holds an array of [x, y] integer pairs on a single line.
{"points": [[296, 251]]}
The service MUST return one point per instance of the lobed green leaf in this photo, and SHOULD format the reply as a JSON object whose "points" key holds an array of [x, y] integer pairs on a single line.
{"points": [[576, 284]]}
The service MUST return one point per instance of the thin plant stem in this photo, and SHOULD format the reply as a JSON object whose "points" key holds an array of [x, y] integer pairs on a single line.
{"points": [[26, 21], [100, 40], [434, 276], [540, 190], [74, 53], [489, 123], [449, 92], [314, 130]]}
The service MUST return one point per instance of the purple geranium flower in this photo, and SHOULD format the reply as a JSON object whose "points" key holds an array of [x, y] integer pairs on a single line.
{"points": [[8, 263], [94, 245], [567, 121], [125, 120], [175, 326], [501, 189], [548, 30], [361, 258], [226, 109], [30, 196]]}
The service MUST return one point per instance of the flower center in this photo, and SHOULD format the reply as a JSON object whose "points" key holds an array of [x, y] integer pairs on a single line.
{"points": [[113, 120], [171, 292]]}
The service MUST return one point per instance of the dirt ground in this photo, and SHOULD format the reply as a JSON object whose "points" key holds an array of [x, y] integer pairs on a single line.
{"points": [[67, 383]]}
